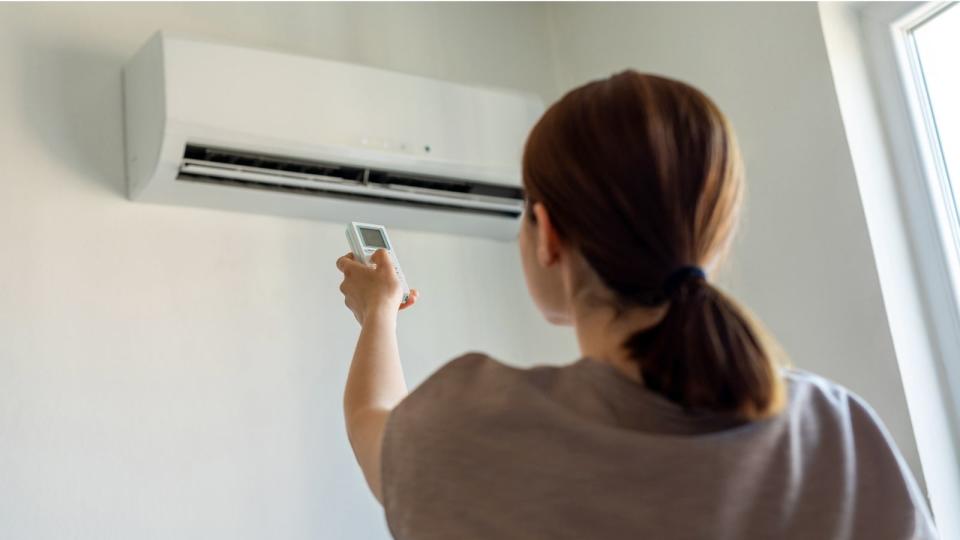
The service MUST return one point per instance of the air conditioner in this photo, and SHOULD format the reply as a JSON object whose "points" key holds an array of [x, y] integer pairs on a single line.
{"points": [[249, 130]]}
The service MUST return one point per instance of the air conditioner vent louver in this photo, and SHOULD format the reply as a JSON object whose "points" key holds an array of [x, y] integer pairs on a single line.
{"points": [[257, 161], [277, 173]]}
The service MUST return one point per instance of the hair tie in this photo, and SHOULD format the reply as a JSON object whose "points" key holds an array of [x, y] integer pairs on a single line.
{"points": [[681, 276]]}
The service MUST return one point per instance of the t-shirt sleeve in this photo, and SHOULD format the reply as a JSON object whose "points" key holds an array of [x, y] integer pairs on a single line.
{"points": [[884, 474], [423, 441]]}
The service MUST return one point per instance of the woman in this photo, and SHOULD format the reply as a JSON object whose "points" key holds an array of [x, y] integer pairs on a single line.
{"points": [[676, 422]]}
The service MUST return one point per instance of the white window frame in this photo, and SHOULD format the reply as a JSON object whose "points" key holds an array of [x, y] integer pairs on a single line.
{"points": [[920, 170], [913, 231]]}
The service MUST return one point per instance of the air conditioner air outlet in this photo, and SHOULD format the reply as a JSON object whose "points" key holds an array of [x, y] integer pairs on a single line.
{"points": [[293, 175]]}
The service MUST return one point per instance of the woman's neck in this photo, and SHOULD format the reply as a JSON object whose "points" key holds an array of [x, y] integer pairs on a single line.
{"points": [[601, 334]]}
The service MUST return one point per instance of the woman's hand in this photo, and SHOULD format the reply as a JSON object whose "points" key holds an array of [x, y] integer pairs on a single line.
{"points": [[372, 289]]}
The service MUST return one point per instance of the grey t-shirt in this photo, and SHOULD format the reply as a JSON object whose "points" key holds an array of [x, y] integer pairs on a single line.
{"points": [[483, 450]]}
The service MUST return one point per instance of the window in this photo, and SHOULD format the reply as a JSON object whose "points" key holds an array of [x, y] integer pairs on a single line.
{"points": [[934, 43], [926, 42]]}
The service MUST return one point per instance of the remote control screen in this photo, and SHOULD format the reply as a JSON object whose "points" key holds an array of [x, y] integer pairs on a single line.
{"points": [[373, 238]]}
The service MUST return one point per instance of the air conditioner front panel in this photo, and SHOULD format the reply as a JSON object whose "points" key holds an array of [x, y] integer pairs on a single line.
{"points": [[180, 92]]}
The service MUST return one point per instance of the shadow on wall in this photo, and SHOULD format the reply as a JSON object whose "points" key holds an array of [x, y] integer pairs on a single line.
{"points": [[73, 102]]}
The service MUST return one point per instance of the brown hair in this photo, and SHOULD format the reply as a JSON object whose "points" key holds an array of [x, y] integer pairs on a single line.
{"points": [[642, 175]]}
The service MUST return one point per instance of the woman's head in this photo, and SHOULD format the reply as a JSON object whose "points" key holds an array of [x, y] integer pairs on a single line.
{"points": [[635, 178]]}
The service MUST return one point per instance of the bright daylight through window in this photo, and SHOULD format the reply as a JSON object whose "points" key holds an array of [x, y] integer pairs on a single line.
{"points": [[937, 43]]}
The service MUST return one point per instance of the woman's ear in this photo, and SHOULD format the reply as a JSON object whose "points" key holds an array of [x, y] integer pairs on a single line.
{"points": [[548, 242]]}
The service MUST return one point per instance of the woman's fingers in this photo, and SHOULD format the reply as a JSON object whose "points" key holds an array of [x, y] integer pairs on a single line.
{"points": [[382, 260], [411, 299], [347, 263], [365, 285]]}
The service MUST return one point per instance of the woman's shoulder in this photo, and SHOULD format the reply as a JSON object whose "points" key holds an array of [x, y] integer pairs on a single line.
{"points": [[470, 372], [472, 363], [811, 392], [473, 384], [853, 441], [836, 415]]}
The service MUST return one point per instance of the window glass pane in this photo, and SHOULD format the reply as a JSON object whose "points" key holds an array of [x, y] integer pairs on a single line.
{"points": [[938, 46]]}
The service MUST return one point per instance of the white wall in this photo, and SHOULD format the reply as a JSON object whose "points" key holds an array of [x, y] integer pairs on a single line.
{"points": [[803, 261], [175, 372]]}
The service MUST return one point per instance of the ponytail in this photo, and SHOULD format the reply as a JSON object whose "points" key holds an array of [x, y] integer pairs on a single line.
{"points": [[705, 354]]}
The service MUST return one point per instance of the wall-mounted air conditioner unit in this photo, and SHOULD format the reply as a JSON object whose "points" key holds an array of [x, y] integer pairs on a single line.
{"points": [[256, 131]]}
